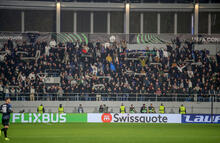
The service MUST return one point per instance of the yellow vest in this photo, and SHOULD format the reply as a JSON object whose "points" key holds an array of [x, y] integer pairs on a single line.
{"points": [[122, 109], [162, 109], [61, 110], [182, 110], [40, 109]]}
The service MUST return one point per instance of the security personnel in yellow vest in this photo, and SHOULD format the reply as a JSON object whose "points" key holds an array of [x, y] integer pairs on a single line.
{"points": [[151, 109], [60, 109], [143, 109], [122, 109], [182, 109], [162, 109], [40, 109]]}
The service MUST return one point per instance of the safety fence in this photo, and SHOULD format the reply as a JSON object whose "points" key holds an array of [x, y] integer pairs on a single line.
{"points": [[170, 97], [113, 118], [137, 38]]}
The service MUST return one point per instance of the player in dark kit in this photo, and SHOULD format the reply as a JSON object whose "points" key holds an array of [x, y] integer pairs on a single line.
{"points": [[5, 110]]}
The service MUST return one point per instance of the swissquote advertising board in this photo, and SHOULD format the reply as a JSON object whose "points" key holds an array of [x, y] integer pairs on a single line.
{"points": [[133, 118]]}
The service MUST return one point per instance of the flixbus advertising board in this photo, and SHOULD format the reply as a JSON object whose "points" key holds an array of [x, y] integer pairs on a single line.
{"points": [[133, 118], [47, 118]]}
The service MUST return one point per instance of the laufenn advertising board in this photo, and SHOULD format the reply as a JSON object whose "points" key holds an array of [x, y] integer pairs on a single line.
{"points": [[133, 118], [47, 118], [201, 118]]}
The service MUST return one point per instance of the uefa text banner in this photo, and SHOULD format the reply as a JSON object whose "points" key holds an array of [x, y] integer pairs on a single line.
{"points": [[47, 118], [201, 118], [133, 118]]}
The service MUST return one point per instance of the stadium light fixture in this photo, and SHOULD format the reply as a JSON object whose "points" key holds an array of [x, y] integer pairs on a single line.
{"points": [[196, 6], [127, 6], [58, 5]]}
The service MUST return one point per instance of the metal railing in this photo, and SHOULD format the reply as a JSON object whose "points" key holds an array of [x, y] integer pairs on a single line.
{"points": [[168, 97]]}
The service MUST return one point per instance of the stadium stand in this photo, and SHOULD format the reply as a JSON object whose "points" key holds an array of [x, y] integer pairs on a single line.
{"points": [[76, 71]]}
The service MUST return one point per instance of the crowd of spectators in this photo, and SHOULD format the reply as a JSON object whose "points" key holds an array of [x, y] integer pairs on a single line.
{"points": [[96, 71]]}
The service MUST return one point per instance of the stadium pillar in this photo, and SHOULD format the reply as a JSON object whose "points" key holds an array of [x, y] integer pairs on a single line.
{"points": [[127, 16], [58, 17], [175, 23], [91, 22], [196, 18], [108, 22], [158, 23], [142, 22], [22, 22], [75, 22], [209, 24]]}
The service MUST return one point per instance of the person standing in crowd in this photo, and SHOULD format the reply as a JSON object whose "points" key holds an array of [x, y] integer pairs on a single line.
{"points": [[41, 109], [143, 109], [1, 90], [122, 108], [132, 109], [80, 109], [6, 91], [60, 109], [162, 109], [105, 108], [101, 109], [32, 92], [151, 109], [182, 109]]}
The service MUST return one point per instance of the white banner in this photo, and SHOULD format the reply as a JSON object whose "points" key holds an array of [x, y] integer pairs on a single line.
{"points": [[133, 118]]}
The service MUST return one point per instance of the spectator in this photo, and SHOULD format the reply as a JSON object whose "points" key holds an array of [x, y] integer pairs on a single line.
{"points": [[32, 92], [101, 109], [80, 109]]}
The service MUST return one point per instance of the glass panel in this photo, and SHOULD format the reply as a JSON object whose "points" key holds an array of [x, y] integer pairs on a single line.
{"points": [[66, 21], [117, 22], [184, 22], [83, 21], [167, 22], [100, 22], [203, 22], [215, 22], [10, 20], [43, 21], [135, 22], [150, 22]]}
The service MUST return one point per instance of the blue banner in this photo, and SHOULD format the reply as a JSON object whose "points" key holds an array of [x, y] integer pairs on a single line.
{"points": [[201, 118]]}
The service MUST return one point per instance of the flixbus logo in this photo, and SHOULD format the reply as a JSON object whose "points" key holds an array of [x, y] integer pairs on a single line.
{"points": [[203, 118], [106, 117], [39, 118]]}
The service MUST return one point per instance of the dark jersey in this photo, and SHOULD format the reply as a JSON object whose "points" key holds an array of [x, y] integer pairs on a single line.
{"points": [[6, 110]]}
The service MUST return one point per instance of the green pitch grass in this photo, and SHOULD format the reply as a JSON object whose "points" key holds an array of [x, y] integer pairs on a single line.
{"points": [[113, 133]]}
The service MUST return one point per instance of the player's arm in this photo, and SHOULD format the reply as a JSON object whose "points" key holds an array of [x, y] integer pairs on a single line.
{"points": [[10, 109], [1, 109]]}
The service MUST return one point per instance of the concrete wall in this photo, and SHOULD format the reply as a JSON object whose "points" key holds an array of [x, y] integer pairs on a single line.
{"points": [[213, 48], [92, 107]]}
